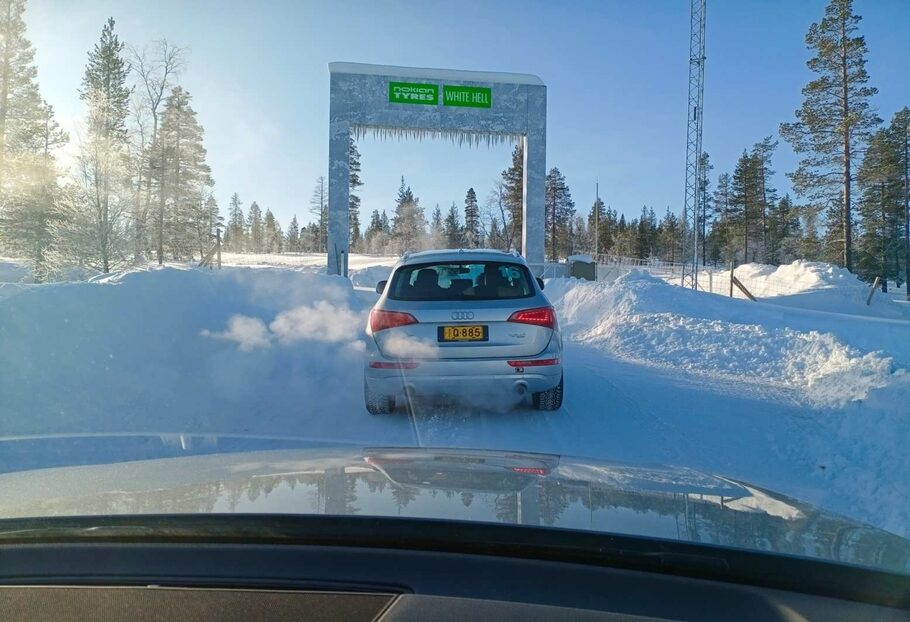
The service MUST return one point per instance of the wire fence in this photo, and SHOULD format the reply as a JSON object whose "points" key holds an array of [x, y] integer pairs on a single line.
{"points": [[711, 279]]}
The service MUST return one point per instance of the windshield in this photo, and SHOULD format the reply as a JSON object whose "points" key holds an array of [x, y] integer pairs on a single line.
{"points": [[450, 281], [438, 261]]}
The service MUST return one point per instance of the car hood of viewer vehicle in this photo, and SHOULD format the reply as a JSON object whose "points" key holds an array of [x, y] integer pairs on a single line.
{"points": [[180, 474]]}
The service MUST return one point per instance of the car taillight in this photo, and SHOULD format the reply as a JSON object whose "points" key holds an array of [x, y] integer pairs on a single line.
{"points": [[381, 320], [393, 365], [533, 362], [541, 316], [529, 470]]}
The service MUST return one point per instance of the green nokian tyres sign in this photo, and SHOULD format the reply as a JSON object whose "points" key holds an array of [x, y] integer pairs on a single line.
{"points": [[410, 93], [470, 96]]}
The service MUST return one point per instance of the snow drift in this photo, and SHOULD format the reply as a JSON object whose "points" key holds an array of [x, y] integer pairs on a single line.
{"points": [[239, 350], [818, 286], [642, 318]]}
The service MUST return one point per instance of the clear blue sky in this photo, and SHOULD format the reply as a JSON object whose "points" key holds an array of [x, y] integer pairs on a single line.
{"points": [[616, 74]]}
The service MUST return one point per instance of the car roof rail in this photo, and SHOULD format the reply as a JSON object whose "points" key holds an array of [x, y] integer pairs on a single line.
{"points": [[405, 255]]}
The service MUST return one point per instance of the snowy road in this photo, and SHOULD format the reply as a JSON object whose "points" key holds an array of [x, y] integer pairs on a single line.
{"points": [[623, 411], [654, 374]]}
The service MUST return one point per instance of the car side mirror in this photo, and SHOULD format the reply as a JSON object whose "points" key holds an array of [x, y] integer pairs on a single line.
{"points": [[380, 287], [540, 282]]}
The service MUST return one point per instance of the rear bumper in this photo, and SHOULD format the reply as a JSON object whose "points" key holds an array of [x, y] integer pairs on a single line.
{"points": [[463, 377]]}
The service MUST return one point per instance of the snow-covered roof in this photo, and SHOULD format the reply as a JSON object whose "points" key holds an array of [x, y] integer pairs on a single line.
{"points": [[455, 75], [584, 258]]}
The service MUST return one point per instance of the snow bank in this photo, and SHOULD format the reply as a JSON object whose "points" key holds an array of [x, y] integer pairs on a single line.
{"points": [[173, 349], [314, 261], [642, 318], [369, 276], [818, 286], [801, 276]]}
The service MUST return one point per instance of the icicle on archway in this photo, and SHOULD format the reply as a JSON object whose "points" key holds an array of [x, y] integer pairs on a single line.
{"points": [[457, 137]]}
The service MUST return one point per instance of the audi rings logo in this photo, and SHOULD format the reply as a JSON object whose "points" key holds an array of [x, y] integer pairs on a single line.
{"points": [[463, 315]]}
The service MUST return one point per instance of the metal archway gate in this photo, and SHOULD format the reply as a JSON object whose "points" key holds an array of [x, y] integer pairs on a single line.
{"points": [[466, 106]]}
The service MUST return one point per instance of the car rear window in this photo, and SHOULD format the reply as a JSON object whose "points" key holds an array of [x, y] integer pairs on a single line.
{"points": [[461, 280]]}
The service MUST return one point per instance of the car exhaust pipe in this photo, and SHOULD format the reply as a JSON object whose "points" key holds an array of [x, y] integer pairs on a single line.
{"points": [[521, 387]]}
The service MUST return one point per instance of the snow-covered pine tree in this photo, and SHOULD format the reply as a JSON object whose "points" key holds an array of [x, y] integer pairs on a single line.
{"points": [[437, 238], [100, 232], [581, 237], [183, 176], [783, 232], [669, 237], [309, 238], [645, 230], [745, 206], [235, 233], [834, 121], [32, 205], [319, 207], [881, 209], [512, 196], [273, 238], [409, 225], [704, 209], [373, 230], [720, 241], [900, 131], [292, 237], [354, 200], [625, 240], [472, 236], [560, 211], [204, 218], [21, 113], [766, 194], [599, 228], [451, 227], [255, 229]]}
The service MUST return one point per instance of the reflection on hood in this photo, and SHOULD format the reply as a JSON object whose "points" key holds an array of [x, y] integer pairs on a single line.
{"points": [[471, 485]]}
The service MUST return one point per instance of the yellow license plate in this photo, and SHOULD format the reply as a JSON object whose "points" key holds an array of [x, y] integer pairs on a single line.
{"points": [[463, 333]]}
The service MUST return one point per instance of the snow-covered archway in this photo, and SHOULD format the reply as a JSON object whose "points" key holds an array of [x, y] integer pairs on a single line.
{"points": [[467, 106]]}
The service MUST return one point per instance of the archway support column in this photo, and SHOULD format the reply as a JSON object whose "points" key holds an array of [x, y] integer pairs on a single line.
{"points": [[339, 226]]}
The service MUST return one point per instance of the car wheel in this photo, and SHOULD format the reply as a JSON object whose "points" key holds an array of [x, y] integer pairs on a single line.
{"points": [[551, 399], [377, 404]]}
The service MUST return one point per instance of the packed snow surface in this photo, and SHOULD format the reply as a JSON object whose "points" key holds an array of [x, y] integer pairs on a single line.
{"points": [[807, 402]]}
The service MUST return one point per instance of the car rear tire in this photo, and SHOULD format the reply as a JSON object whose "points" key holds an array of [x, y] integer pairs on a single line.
{"points": [[551, 399], [376, 403]]}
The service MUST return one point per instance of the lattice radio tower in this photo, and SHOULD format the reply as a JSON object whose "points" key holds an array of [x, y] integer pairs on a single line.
{"points": [[694, 187]]}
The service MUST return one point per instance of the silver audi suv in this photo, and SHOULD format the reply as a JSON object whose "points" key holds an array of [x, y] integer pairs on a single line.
{"points": [[471, 324]]}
